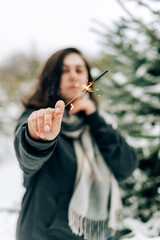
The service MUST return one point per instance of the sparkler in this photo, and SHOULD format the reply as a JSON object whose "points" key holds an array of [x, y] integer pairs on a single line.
{"points": [[86, 88]]}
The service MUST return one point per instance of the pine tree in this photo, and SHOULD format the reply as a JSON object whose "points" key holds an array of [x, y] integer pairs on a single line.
{"points": [[131, 94]]}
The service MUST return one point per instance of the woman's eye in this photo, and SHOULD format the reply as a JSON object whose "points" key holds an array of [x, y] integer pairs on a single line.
{"points": [[79, 70]]}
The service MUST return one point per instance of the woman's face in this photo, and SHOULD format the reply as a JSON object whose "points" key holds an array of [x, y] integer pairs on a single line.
{"points": [[74, 76]]}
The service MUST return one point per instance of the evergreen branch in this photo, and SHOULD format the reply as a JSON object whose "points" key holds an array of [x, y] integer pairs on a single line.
{"points": [[126, 10], [144, 26], [148, 7]]}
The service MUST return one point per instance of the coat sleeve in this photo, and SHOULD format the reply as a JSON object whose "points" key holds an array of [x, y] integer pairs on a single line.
{"points": [[119, 156], [31, 154]]}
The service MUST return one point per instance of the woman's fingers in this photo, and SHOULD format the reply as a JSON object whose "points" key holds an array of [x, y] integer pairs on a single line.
{"points": [[59, 108], [46, 123], [48, 119], [32, 125], [57, 119], [40, 122]]}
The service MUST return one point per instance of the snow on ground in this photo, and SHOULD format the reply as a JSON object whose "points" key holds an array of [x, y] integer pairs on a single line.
{"points": [[8, 225], [144, 231], [12, 191]]}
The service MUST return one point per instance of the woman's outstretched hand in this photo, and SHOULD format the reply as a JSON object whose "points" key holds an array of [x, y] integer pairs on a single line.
{"points": [[45, 124]]}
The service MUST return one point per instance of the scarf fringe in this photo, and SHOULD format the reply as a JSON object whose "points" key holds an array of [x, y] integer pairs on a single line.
{"points": [[90, 229]]}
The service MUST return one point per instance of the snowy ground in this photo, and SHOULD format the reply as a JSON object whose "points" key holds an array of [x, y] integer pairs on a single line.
{"points": [[12, 192], [11, 189]]}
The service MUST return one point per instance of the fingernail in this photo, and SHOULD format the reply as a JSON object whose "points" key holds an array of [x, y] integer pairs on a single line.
{"points": [[60, 115], [41, 135], [57, 110], [38, 134], [47, 128]]}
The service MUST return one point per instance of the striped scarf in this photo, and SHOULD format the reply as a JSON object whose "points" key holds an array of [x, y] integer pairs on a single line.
{"points": [[96, 203]]}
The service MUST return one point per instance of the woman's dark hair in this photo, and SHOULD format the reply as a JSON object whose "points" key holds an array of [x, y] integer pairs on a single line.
{"points": [[46, 93]]}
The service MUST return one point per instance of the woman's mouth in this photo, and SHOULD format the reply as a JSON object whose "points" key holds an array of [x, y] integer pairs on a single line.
{"points": [[73, 87]]}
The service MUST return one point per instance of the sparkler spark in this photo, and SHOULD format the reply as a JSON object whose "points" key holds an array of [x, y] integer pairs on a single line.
{"points": [[87, 88], [72, 106]]}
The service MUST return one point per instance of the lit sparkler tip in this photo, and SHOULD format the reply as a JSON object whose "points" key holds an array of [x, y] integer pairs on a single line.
{"points": [[86, 88], [72, 106]]}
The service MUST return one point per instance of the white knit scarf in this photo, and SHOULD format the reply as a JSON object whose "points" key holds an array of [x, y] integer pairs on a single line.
{"points": [[96, 203]]}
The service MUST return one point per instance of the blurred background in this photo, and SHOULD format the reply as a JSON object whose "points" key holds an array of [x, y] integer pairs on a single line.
{"points": [[121, 36]]}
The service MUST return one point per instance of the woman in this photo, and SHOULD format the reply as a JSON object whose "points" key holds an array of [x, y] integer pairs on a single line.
{"points": [[71, 159]]}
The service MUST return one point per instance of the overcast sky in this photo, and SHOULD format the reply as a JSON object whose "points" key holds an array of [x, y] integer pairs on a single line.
{"points": [[47, 25]]}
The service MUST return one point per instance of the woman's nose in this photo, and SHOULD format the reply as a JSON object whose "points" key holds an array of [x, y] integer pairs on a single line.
{"points": [[73, 75]]}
